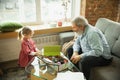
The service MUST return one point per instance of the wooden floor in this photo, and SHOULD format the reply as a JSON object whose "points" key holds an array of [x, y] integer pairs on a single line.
{"points": [[11, 71]]}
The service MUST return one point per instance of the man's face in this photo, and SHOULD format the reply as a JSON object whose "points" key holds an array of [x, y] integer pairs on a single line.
{"points": [[75, 28], [78, 30]]}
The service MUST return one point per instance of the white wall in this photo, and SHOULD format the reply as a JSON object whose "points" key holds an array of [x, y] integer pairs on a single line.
{"points": [[9, 49]]}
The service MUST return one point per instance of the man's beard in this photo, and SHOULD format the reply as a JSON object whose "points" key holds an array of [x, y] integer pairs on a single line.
{"points": [[79, 32]]}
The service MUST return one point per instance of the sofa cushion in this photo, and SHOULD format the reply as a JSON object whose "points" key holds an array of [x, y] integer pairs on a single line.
{"points": [[111, 30], [105, 73], [110, 72]]}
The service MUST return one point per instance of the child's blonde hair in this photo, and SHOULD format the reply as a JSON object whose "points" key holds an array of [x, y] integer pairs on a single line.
{"points": [[25, 30]]}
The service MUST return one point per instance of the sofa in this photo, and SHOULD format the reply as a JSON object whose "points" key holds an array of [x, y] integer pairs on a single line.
{"points": [[111, 30]]}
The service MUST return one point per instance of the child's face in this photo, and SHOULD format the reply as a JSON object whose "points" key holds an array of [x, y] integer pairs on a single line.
{"points": [[29, 35]]}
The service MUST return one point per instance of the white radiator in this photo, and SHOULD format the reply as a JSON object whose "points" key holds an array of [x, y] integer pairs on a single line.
{"points": [[41, 41]]}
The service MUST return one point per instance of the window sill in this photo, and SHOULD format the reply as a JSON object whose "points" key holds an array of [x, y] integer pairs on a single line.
{"points": [[37, 30]]}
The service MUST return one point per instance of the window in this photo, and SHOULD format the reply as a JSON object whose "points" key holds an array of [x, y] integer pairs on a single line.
{"points": [[38, 11], [55, 9], [18, 10]]}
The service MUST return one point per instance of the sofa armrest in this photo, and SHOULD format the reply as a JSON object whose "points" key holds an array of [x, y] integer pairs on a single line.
{"points": [[66, 37]]}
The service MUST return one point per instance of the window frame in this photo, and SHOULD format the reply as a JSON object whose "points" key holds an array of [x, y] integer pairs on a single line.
{"points": [[74, 12]]}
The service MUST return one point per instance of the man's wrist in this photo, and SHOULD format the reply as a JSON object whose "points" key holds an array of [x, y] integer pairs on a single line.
{"points": [[75, 53], [80, 56]]}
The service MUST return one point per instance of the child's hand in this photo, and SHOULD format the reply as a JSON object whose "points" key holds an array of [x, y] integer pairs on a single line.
{"points": [[38, 54]]}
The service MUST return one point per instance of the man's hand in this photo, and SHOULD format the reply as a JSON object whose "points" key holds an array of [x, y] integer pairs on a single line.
{"points": [[64, 47], [75, 57], [67, 45]]}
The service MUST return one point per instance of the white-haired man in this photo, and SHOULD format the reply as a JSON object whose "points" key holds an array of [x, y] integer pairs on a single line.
{"points": [[91, 48]]}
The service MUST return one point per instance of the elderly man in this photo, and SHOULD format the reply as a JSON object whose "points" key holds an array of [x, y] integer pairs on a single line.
{"points": [[91, 48]]}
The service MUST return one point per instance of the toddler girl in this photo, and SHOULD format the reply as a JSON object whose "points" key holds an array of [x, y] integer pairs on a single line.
{"points": [[28, 48]]}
